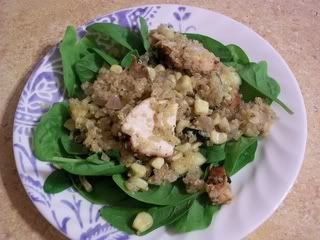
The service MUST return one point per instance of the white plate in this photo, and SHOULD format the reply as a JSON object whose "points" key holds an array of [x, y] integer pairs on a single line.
{"points": [[258, 189]]}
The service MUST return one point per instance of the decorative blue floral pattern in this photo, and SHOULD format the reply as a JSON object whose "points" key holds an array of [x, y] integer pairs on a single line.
{"points": [[71, 214]]}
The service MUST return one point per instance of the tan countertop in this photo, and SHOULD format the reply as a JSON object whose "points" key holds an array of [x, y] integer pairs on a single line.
{"points": [[29, 28]]}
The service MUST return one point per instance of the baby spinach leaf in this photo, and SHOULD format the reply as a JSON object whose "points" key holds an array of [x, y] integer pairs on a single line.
{"points": [[127, 60], [214, 154], [71, 147], [144, 33], [95, 158], [167, 214], [199, 216], [106, 57], [259, 84], [239, 153], [123, 217], [167, 194], [57, 181], [238, 55], [119, 34], [69, 57], [213, 46], [104, 190], [71, 50], [88, 67], [46, 139], [85, 168]]}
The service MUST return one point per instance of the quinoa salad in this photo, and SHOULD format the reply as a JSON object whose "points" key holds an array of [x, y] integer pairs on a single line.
{"points": [[155, 124]]}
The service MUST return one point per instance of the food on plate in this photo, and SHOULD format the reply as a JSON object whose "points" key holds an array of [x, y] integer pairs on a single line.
{"points": [[154, 126]]}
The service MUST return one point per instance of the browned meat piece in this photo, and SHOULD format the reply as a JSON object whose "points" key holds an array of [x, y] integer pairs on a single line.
{"points": [[218, 187], [177, 51]]}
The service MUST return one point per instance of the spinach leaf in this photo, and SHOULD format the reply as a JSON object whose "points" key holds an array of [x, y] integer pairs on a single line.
{"points": [[213, 46], [71, 50], [127, 60], [69, 57], [88, 67], [104, 190], [167, 194], [257, 83], [119, 34], [214, 154], [236, 66], [199, 216], [95, 158], [57, 182], [238, 55], [46, 140], [144, 33], [123, 217], [85, 168], [114, 155], [71, 147], [239, 153], [106, 57]]}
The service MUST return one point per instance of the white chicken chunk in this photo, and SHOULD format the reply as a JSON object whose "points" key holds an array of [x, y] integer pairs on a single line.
{"points": [[141, 123]]}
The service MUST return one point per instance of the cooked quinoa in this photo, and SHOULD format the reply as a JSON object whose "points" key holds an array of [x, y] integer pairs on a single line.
{"points": [[145, 112]]}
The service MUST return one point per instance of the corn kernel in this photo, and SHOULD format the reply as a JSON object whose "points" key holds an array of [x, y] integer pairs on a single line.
{"points": [[201, 107], [134, 184], [217, 137], [224, 125], [159, 68], [183, 147], [116, 68], [172, 78], [157, 162], [142, 222], [189, 162], [138, 170], [151, 73], [184, 84], [178, 75]]}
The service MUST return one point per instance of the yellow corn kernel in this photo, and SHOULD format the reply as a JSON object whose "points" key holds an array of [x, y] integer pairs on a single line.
{"points": [[224, 125], [201, 107], [159, 68], [157, 162], [135, 184], [142, 222], [152, 73], [138, 170], [183, 147], [218, 137], [184, 85], [116, 68]]}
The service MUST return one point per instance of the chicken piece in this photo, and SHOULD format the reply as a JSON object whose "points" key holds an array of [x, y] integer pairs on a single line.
{"points": [[140, 124], [218, 186], [176, 50]]}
